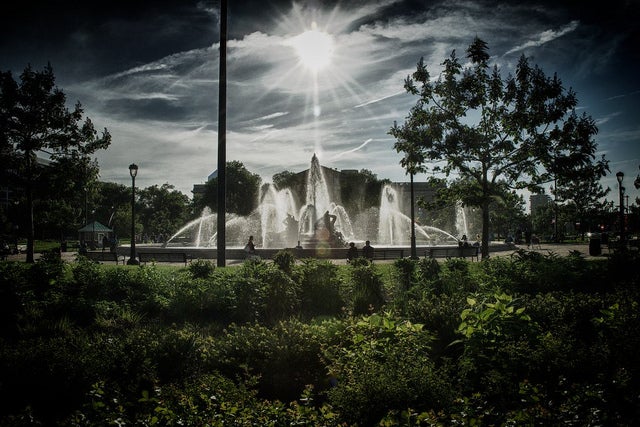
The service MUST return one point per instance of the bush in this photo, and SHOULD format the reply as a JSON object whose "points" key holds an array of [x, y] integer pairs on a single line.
{"points": [[377, 370], [319, 289], [368, 293], [285, 260], [405, 269], [47, 270], [284, 359], [531, 340], [201, 268]]}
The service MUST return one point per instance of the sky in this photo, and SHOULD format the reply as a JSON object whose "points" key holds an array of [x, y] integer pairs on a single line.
{"points": [[307, 77]]}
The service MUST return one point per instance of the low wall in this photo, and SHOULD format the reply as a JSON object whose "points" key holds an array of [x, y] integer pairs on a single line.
{"points": [[269, 253]]}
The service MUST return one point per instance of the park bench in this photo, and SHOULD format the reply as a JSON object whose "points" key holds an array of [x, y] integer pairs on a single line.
{"points": [[100, 256], [182, 257], [388, 253], [453, 252]]}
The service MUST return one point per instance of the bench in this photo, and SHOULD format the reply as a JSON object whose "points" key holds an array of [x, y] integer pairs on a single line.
{"points": [[145, 257], [453, 252], [387, 253], [104, 256]]}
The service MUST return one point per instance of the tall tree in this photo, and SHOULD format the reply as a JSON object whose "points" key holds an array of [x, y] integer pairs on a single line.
{"points": [[242, 190], [285, 179], [360, 190], [584, 196], [112, 207], [34, 122], [495, 132], [163, 209]]}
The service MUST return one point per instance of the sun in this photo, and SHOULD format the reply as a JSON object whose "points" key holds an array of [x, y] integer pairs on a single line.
{"points": [[314, 48]]}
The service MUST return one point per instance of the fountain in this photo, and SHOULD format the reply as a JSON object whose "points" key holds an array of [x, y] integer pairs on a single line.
{"points": [[319, 221]]}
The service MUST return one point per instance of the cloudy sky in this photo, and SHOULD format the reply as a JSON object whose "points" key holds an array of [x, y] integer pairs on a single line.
{"points": [[148, 72]]}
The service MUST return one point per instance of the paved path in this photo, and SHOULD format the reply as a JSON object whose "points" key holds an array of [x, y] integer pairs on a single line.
{"points": [[545, 248]]}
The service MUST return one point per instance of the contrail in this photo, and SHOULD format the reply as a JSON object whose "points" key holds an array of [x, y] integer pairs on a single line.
{"points": [[352, 150]]}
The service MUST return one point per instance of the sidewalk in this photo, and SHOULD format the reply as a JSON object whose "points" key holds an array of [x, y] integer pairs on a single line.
{"points": [[560, 249]]}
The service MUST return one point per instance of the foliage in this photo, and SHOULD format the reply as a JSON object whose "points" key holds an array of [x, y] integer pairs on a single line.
{"points": [[110, 204], [241, 190], [406, 272], [285, 260], [376, 369], [368, 295], [283, 359], [360, 190], [493, 132], [533, 339], [285, 179], [162, 210], [34, 118], [429, 268], [320, 293], [201, 268]]}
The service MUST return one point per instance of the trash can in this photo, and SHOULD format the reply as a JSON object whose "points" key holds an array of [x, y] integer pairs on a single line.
{"points": [[594, 245]]}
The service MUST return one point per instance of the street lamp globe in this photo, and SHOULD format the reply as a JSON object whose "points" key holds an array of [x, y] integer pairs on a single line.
{"points": [[133, 170]]}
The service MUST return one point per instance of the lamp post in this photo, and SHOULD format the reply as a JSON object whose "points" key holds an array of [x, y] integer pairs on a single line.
{"points": [[620, 177], [133, 171]]}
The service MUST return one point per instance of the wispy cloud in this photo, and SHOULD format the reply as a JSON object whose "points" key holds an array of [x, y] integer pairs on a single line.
{"points": [[162, 114], [545, 37], [272, 116], [623, 95], [602, 120], [359, 147]]}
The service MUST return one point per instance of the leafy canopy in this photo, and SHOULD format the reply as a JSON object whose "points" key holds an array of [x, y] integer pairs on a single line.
{"points": [[492, 132], [37, 128]]}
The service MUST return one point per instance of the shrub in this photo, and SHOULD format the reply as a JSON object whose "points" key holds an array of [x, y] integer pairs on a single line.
{"points": [[281, 294], [15, 293], [377, 370], [455, 277], [179, 354], [368, 293], [319, 289], [405, 269], [440, 314], [429, 269], [285, 260], [284, 358], [201, 268], [203, 300], [47, 270], [359, 262], [496, 332]]}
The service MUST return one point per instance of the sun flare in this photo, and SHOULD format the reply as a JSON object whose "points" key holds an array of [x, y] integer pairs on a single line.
{"points": [[314, 48]]}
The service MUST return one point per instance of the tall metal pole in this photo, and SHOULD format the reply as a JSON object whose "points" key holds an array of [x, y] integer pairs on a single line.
{"points": [[222, 137], [555, 212], [414, 253], [620, 177]]}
